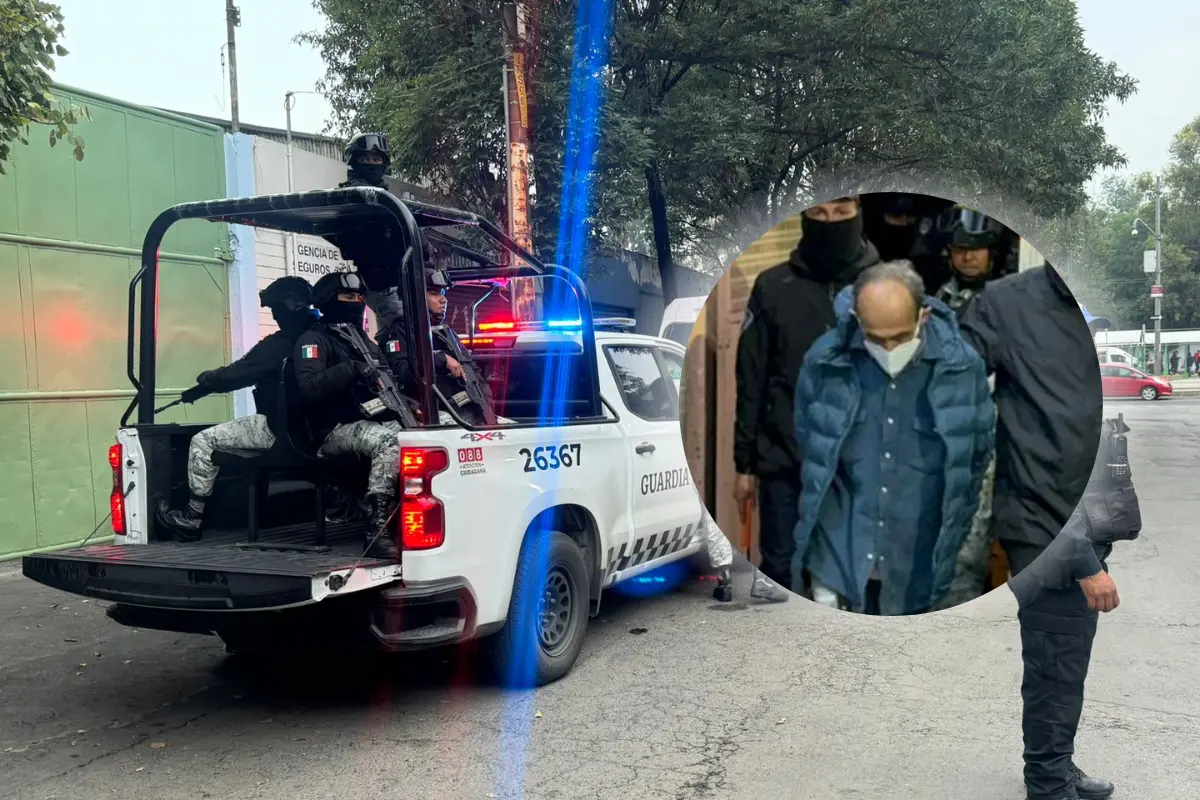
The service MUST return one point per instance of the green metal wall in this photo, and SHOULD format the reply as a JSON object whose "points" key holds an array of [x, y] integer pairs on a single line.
{"points": [[70, 239]]}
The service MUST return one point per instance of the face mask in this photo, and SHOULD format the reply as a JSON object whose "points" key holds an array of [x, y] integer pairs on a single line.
{"points": [[829, 248], [292, 318], [371, 173], [894, 361], [345, 311], [895, 241]]}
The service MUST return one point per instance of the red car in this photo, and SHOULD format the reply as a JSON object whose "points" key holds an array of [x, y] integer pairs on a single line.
{"points": [[1122, 381]]}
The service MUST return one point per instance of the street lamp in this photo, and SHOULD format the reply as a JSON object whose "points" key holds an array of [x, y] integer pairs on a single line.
{"points": [[289, 102], [1156, 232]]}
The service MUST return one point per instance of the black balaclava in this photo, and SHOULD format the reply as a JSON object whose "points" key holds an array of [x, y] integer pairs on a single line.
{"points": [[895, 242], [831, 249], [293, 319], [350, 312], [368, 173]]}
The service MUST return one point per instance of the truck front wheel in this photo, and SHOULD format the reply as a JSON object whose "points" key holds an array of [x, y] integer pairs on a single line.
{"points": [[547, 615]]}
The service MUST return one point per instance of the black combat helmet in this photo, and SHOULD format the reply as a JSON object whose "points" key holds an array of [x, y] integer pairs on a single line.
{"points": [[291, 292], [365, 143], [325, 290], [969, 228]]}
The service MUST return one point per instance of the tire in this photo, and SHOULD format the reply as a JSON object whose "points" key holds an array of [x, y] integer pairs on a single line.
{"points": [[1148, 393], [532, 649]]}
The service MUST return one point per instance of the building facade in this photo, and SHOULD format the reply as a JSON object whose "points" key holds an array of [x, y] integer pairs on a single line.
{"points": [[70, 241]]}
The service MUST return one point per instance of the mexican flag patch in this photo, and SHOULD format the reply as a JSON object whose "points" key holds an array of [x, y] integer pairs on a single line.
{"points": [[308, 351], [393, 346]]}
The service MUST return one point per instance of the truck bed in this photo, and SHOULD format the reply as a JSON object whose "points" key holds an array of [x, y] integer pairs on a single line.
{"points": [[222, 572]]}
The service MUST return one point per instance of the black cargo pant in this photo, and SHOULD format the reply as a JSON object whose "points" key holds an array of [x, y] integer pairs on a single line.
{"points": [[778, 506], [1057, 631]]}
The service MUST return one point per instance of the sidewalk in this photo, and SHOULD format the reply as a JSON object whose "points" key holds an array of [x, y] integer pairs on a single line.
{"points": [[1184, 385]]}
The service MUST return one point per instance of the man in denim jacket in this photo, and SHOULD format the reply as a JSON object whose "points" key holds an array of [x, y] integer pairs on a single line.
{"points": [[894, 423]]}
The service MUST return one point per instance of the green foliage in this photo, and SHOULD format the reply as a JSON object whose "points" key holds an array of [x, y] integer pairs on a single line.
{"points": [[1103, 261], [29, 34], [727, 114]]}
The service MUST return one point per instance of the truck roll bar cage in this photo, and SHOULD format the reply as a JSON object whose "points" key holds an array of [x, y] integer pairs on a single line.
{"points": [[343, 211]]}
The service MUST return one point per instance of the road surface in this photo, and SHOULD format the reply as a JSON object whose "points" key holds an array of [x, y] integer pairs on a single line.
{"points": [[735, 701]]}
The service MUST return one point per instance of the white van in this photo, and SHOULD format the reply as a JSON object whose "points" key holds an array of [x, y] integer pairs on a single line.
{"points": [[680, 317], [1114, 355]]}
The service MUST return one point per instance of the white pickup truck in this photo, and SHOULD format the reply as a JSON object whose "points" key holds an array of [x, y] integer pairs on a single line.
{"points": [[508, 533]]}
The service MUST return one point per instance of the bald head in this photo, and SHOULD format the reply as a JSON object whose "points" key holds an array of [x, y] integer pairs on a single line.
{"points": [[889, 303]]}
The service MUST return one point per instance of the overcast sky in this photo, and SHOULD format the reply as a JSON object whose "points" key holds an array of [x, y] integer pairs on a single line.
{"points": [[169, 55]]}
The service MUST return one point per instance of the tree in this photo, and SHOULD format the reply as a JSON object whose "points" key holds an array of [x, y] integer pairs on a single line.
{"points": [[719, 117], [29, 33]]}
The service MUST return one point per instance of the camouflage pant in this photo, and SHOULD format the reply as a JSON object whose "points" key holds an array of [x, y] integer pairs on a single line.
{"points": [[386, 306], [971, 573], [377, 441], [242, 435], [720, 551]]}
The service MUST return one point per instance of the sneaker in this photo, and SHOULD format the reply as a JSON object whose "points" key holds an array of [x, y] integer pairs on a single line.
{"points": [[765, 589]]}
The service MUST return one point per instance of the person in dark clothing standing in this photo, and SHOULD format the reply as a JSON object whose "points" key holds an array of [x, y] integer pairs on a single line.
{"points": [[907, 234], [1032, 335], [790, 307], [371, 251], [289, 301], [333, 380]]}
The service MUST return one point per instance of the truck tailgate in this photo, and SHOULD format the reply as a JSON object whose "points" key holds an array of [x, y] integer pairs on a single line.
{"points": [[216, 576]]}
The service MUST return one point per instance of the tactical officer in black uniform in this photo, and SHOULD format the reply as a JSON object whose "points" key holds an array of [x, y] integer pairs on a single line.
{"points": [[289, 301], [1029, 330], [457, 375], [790, 306], [342, 376], [975, 259], [371, 250]]}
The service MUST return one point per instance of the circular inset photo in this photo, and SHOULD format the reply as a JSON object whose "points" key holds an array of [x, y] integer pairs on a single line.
{"points": [[892, 403]]}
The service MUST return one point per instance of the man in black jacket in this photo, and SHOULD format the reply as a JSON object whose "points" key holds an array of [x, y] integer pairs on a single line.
{"points": [[1029, 330], [790, 306], [336, 385], [289, 300]]}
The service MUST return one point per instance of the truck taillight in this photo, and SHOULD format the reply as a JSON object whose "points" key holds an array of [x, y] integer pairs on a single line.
{"points": [[422, 516], [116, 499]]}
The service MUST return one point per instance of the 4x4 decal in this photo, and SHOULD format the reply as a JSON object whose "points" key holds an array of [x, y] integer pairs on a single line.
{"points": [[486, 436]]}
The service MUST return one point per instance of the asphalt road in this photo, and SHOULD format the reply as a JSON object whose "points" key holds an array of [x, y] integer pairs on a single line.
{"points": [[709, 701]]}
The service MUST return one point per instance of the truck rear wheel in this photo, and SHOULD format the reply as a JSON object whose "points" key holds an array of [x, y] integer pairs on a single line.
{"points": [[547, 615]]}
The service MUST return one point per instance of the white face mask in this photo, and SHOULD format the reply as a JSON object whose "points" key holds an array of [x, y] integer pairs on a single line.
{"points": [[894, 361]]}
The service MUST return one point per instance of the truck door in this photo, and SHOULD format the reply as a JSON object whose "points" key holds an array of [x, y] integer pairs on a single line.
{"points": [[664, 504]]}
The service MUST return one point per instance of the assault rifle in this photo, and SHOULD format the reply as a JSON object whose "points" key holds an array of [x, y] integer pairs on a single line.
{"points": [[475, 386], [387, 396]]}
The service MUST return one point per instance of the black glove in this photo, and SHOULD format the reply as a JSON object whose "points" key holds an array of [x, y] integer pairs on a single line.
{"points": [[193, 394], [1069, 558], [364, 372], [205, 377]]}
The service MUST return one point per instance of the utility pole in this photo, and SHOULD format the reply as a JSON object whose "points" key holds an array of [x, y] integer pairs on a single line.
{"points": [[1156, 291], [516, 116], [233, 18], [1158, 350]]}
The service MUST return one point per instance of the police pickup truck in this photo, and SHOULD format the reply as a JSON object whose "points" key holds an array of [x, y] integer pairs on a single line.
{"points": [[509, 533]]}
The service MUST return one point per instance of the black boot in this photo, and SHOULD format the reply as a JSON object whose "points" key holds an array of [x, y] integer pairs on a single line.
{"points": [[183, 525], [1089, 788], [724, 591], [381, 528]]}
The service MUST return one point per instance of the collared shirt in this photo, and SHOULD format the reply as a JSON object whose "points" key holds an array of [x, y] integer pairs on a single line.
{"points": [[883, 514]]}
